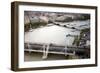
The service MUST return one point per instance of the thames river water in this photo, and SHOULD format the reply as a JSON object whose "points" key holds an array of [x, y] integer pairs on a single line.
{"points": [[56, 34]]}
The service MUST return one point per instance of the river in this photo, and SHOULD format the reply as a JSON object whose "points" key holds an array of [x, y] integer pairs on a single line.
{"points": [[56, 34]]}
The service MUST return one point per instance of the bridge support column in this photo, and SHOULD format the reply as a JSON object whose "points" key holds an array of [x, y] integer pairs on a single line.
{"points": [[45, 51]]}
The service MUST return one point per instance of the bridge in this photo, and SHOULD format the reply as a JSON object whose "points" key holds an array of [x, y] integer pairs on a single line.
{"points": [[55, 49]]}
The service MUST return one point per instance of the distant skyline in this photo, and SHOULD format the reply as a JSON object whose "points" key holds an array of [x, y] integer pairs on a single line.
{"points": [[52, 16]]}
